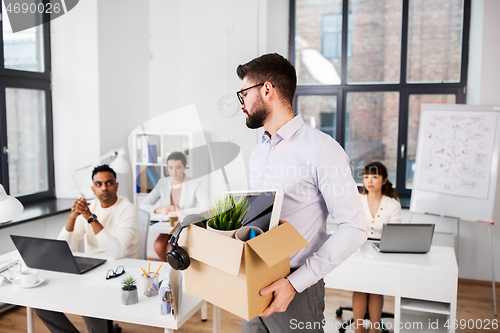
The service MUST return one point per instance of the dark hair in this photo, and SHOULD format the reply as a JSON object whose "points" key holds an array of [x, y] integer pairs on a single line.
{"points": [[377, 168], [177, 156], [271, 68], [103, 168]]}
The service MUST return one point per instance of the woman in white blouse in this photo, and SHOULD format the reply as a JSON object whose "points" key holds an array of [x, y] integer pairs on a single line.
{"points": [[381, 205], [176, 193]]}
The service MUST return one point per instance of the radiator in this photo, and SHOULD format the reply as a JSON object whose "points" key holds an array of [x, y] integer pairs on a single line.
{"points": [[443, 239]]}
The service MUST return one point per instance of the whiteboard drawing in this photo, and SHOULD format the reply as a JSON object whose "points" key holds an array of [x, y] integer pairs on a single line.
{"points": [[457, 150]]}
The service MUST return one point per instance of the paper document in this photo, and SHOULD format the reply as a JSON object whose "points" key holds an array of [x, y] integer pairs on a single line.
{"points": [[4, 264]]}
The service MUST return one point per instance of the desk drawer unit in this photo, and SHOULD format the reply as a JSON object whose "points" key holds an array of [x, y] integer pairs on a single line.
{"points": [[364, 279], [428, 285]]}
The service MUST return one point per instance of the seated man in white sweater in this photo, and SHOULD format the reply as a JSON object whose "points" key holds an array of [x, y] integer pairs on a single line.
{"points": [[110, 225]]}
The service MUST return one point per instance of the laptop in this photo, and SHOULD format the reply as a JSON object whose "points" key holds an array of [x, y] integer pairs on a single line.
{"points": [[405, 238], [52, 255]]}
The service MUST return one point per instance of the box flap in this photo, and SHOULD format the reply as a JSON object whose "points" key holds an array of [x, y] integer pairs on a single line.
{"points": [[213, 249], [277, 244]]}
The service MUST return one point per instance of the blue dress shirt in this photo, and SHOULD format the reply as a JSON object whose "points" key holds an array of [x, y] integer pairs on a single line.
{"points": [[313, 171]]}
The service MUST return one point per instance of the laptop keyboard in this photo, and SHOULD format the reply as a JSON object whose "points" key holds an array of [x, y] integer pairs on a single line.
{"points": [[84, 266]]}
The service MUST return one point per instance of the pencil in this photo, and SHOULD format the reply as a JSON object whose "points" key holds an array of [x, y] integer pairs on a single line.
{"points": [[157, 271], [153, 285], [144, 272], [149, 266]]}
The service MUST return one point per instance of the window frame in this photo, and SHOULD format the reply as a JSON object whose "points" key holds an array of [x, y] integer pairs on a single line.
{"points": [[11, 78], [404, 88]]}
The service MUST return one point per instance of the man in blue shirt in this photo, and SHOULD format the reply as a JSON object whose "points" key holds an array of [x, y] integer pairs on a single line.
{"points": [[313, 171]]}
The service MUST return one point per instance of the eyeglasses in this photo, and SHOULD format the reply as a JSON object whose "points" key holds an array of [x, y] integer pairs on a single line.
{"points": [[240, 96], [115, 273]]}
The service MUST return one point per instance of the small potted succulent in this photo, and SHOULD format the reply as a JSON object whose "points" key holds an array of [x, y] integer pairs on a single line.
{"points": [[129, 291], [228, 214]]}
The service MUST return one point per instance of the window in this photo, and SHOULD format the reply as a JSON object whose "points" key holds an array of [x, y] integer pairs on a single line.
{"points": [[332, 36], [319, 112], [26, 153], [364, 67], [372, 123], [331, 45]]}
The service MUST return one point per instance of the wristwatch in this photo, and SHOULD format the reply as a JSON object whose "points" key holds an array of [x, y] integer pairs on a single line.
{"points": [[92, 218]]}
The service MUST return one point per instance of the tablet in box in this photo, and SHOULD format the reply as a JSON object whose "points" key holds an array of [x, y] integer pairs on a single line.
{"points": [[230, 274], [265, 207]]}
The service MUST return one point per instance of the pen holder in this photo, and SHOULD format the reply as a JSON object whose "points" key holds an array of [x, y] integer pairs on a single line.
{"points": [[243, 233], [151, 285]]}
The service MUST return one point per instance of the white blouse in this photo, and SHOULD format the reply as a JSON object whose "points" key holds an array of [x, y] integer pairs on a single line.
{"points": [[389, 211]]}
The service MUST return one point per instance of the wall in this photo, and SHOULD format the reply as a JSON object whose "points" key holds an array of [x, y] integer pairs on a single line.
{"points": [[123, 52], [196, 47], [277, 26], [46, 228], [75, 93], [100, 78]]}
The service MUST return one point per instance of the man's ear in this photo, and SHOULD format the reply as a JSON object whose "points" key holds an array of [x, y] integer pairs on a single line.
{"points": [[268, 90], [117, 186]]}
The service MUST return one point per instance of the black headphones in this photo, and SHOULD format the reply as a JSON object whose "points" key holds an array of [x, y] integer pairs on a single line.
{"points": [[177, 257]]}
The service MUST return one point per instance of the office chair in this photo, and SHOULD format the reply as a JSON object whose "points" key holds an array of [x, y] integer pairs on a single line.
{"points": [[349, 321], [143, 229]]}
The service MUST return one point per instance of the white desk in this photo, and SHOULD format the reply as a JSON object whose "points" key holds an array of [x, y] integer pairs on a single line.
{"points": [[72, 293], [161, 227], [424, 285]]}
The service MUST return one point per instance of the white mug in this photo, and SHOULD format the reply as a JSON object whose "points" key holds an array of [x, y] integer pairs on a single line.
{"points": [[28, 277]]}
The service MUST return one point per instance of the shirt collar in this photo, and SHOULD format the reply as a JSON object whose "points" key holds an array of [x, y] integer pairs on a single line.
{"points": [[286, 131]]}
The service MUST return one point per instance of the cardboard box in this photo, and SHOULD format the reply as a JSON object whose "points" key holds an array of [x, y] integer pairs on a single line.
{"points": [[230, 274]]}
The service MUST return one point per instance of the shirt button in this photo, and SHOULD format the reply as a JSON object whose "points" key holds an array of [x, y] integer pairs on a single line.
{"points": [[266, 169], [272, 148], [372, 232], [372, 227], [378, 215], [372, 222], [381, 208]]}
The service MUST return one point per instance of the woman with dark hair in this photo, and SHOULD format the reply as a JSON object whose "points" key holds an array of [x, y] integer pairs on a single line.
{"points": [[381, 205], [176, 193]]}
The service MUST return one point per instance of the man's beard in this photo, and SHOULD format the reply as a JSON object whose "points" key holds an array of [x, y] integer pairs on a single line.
{"points": [[259, 114]]}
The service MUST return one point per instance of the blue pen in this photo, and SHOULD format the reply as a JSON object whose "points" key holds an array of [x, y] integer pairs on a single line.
{"points": [[252, 233]]}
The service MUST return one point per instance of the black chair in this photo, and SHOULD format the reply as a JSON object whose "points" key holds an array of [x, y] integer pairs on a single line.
{"points": [[349, 321]]}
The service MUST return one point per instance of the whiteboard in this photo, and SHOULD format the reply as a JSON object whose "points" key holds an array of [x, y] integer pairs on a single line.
{"points": [[456, 167]]}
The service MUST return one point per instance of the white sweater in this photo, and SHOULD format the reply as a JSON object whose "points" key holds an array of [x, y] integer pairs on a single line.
{"points": [[389, 211], [118, 239]]}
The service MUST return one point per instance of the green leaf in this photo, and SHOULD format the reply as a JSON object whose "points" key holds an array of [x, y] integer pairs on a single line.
{"points": [[229, 212]]}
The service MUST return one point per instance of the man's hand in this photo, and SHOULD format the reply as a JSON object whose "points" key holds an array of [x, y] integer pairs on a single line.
{"points": [[81, 206], [284, 293]]}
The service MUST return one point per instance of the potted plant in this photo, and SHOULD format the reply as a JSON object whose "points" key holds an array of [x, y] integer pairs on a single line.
{"points": [[129, 291], [227, 214]]}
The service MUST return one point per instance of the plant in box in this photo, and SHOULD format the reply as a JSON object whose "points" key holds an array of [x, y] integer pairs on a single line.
{"points": [[129, 291], [228, 214]]}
